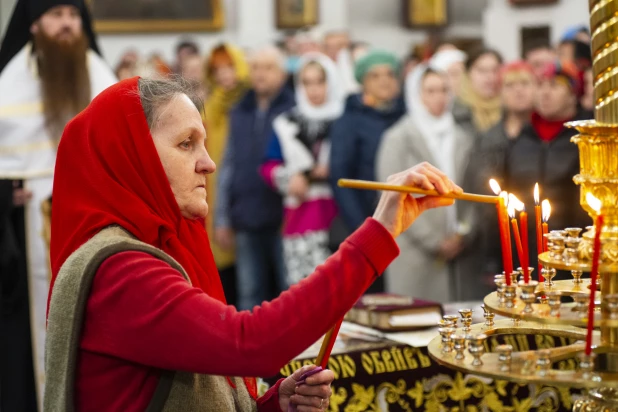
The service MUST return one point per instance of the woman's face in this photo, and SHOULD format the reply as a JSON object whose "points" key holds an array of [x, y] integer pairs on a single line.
{"points": [[434, 94], [225, 76], [381, 83], [518, 91], [485, 76], [179, 137], [313, 79], [455, 73]]}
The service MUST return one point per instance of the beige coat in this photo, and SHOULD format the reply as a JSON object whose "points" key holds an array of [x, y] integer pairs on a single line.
{"points": [[419, 271]]}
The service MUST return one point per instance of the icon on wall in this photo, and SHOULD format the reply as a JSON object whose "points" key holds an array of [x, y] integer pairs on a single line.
{"points": [[296, 14], [122, 16], [425, 13]]}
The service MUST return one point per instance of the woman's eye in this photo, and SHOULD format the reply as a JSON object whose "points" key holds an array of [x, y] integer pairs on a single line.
{"points": [[186, 144]]}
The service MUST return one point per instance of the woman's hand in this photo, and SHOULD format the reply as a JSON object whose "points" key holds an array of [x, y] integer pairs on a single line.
{"points": [[396, 211], [298, 186], [313, 396]]}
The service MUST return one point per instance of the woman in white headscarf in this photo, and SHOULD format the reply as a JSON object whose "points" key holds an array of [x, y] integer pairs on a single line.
{"points": [[297, 165], [428, 133]]}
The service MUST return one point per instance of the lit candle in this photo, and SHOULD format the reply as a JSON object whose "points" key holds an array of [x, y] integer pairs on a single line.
{"points": [[546, 212], [523, 223], [503, 225], [514, 204], [539, 228], [595, 204]]}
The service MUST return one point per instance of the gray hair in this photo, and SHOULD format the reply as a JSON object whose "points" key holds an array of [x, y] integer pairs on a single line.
{"points": [[155, 93], [269, 52]]}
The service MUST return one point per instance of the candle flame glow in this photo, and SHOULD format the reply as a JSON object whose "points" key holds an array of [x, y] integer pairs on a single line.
{"points": [[536, 194], [518, 205], [511, 209], [495, 187], [545, 210], [593, 202]]}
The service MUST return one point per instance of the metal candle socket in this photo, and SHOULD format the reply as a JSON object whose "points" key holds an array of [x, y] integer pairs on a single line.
{"points": [[447, 343], [543, 362], [553, 299], [466, 319], [500, 283], [476, 347], [577, 276], [586, 363], [548, 274], [527, 294], [570, 253], [459, 345], [581, 303], [521, 272], [573, 231], [504, 357], [510, 295], [452, 319], [489, 316]]}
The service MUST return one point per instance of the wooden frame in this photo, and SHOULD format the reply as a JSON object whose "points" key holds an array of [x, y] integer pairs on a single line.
{"points": [[425, 13], [134, 23], [296, 14]]}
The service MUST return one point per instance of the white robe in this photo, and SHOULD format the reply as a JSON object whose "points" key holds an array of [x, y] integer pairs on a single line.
{"points": [[28, 153]]}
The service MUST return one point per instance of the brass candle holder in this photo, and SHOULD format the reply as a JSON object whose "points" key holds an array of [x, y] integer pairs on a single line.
{"points": [[569, 250]]}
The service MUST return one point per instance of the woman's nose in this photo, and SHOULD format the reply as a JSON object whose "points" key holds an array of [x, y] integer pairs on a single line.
{"points": [[205, 164]]}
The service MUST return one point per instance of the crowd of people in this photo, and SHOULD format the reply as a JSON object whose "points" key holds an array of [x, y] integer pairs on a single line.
{"points": [[284, 123], [287, 121]]}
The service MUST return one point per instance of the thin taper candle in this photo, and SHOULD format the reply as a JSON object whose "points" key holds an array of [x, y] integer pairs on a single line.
{"points": [[538, 226], [523, 223], [595, 204], [327, 345], [518, 246], [367, 185]]}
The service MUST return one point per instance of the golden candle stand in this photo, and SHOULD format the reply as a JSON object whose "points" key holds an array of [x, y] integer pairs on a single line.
{"points": [[563, 307]]}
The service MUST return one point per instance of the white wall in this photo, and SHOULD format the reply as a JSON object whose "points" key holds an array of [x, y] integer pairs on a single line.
{"points": [[250, 23], [502, 22], [379, 22]]}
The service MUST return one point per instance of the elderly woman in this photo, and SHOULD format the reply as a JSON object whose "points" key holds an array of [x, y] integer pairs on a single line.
{"points": [[137, 317]]}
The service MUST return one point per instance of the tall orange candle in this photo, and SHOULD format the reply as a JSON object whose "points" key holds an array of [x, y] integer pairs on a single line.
{"points": [[595, 204], [539, 228], [523, 223], [546, 212], [516, 236], [505, 235]]}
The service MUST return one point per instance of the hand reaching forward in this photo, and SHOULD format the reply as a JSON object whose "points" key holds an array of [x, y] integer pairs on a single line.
{"points": [[397, 211]]}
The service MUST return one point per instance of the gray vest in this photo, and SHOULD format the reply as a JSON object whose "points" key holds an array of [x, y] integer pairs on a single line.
{"points": [[176, 391]]}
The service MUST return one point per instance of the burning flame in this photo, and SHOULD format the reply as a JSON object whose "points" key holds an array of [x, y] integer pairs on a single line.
{"points": [[593, 202], [518, 205], [495, 187], [545, 210], [511, 210], [536, 194]]}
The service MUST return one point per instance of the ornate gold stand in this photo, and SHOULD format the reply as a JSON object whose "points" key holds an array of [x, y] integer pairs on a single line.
{"points": [[563, 307]]}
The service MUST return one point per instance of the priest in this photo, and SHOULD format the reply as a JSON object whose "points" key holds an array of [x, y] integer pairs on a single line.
{"points": [[50, 69]]}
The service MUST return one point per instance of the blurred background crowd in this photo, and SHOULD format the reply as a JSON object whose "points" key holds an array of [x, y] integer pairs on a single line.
{"points": [[287, 120]]}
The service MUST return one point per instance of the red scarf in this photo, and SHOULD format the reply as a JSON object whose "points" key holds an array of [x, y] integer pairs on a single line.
{"points": [[108, 173], [547, 130]]}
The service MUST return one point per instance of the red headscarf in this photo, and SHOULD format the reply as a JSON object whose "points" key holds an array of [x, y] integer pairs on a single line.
{"points": [[108, 173]]}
